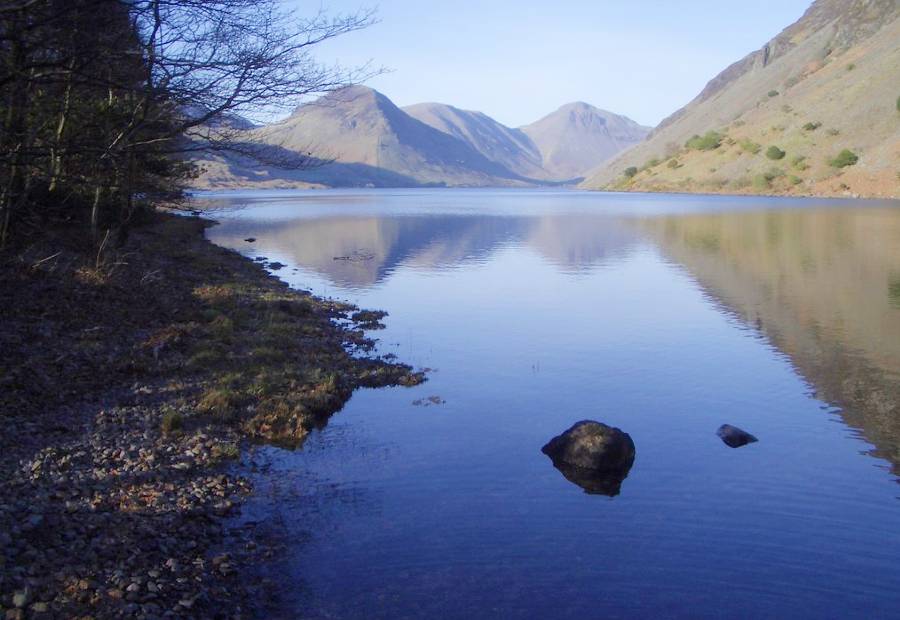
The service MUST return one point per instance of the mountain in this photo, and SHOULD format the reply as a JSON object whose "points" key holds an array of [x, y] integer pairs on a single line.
{"points": [[826, 84], [361, 138], [578, 137], [357, 137], [361, 126], [511, 148]]}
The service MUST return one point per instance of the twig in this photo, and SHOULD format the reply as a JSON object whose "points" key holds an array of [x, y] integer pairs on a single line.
{"points": [[44, 260], [100, 251]]}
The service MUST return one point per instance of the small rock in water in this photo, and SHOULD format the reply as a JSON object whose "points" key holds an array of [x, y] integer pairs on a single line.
{"points": [[275, 266], [735, 437], [250, 239]]}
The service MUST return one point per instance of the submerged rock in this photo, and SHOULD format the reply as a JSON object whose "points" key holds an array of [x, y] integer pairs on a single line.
{"points": [[735, 437], [250, 239], [593, 455]]}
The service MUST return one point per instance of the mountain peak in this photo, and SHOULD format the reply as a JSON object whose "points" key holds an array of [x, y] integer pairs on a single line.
{"points": [[580, 106], [353, 97], [578, 137]]}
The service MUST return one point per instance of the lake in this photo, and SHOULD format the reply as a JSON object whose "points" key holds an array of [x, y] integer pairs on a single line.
{"points": [[663, 315]]}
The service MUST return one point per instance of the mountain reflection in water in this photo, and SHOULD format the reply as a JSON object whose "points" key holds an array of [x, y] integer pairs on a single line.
{"points": [[823, 285], [358, 252]]}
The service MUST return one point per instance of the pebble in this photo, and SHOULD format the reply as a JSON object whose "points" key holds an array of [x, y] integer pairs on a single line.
{"points": [[114, 517], [21, 598]]}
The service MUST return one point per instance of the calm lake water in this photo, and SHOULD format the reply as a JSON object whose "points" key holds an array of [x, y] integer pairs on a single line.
{"points": [[665, 316]]}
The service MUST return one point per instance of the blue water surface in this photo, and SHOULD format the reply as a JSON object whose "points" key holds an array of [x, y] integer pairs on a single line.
{"points": [[536, 309]]}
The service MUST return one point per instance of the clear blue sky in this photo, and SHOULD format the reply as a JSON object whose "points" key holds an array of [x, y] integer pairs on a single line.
{"points": [[517, 60]]}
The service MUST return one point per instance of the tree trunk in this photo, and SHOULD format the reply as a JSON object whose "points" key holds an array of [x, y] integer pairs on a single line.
{"points": [[55, 157], [95, 213], [13, 139]]}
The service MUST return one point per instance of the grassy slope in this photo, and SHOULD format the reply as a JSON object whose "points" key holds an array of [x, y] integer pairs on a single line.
{"points": [[851, 91]]}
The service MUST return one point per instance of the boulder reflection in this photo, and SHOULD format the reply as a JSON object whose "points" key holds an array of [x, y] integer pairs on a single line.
{"points": [[592, 481]]}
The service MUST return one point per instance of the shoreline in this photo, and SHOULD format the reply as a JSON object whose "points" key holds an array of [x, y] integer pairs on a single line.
{"points": [[836, 195], [132, 381]]}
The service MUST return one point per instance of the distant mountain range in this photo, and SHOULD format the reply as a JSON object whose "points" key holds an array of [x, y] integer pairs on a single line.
{"points": [[366, 140], [814, 111]]}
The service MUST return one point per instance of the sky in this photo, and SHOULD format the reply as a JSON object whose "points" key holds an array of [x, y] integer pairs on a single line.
{"points": [[519, 60]]}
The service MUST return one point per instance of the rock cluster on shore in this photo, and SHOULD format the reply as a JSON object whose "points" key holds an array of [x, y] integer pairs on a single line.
{"points": [[117, 519]]}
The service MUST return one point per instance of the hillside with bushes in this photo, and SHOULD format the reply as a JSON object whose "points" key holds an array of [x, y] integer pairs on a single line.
{"points": [[816, 111]]}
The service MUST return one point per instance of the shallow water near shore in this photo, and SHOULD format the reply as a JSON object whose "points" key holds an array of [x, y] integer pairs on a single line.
{"points": [[665, 316]]}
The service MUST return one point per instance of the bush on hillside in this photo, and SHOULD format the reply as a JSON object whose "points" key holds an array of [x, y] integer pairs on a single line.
{"points": [[630, 172], [749, 146], [773, 93], [798, 162], [707, 142], [844, 158], [760, 182], [775, 153], [812, 126], [774, 173]]}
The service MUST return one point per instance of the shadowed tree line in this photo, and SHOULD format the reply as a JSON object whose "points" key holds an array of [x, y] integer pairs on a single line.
{"points": [[101, 101]]}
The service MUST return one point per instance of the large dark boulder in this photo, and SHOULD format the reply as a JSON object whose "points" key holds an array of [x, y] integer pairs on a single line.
{"points": [[735, 437], [593, 455]]}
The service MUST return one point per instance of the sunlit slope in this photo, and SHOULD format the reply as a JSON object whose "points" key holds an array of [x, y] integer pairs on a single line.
{"points": [[355, 137], [361, 126], [827, 83], [497, 142]]}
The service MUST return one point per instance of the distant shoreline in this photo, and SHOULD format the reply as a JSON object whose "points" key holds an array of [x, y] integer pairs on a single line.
{"points": [[200, 191]]}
